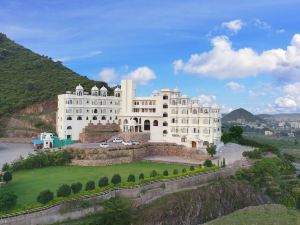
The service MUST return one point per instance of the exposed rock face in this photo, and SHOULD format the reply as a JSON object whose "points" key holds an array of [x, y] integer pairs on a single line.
{"points": [[193, 207]]}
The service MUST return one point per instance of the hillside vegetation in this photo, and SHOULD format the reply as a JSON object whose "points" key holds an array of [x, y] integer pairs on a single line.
{"points": [[27, 78]]}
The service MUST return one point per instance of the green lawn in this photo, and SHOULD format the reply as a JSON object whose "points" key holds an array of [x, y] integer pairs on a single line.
{"points": [[285, 144], [27, 184], [260, 215]]}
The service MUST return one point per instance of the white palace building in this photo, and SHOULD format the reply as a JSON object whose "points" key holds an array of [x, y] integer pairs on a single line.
{"points": [[167, 115]]}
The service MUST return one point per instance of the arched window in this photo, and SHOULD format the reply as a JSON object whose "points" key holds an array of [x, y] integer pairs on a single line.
{"points": [[155, 123], [94, 117], [165, 132], [184, 111], [95, 111], [183, 139], [165, 97], [173, 120], [174, 102], [79, 118], [103, 118], [146, 125], [183, 102], [165, 123], [165, 106], [125, 121], [69, 118], [165, 114], [120, 122], [87, 118], [69, 128], [195, 111], [195, 121]]}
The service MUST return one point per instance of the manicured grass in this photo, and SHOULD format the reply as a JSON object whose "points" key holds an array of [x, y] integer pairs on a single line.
{"points": [[27, 184], [260, 215]]}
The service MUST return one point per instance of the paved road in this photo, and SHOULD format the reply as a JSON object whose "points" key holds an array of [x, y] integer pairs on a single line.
{"points": [[10, 152]]}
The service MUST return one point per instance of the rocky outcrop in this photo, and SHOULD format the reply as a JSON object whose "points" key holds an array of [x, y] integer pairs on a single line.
{"points": [[197, 206], [99, 132]]}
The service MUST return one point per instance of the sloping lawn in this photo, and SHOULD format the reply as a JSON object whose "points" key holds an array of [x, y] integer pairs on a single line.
{"points": [[27, 184]]}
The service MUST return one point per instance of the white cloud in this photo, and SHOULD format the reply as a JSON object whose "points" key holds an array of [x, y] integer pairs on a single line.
{"points": [[254, 93], [234, 86], [222, 61], [285, 102], [82, 56], [233, 25], [262, 24], [141, 75], [207, 98], [108, 75]]}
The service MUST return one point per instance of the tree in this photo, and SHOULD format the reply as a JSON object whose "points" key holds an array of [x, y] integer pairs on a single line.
{"points": [[184, 170], [116, 211], [7, 201], [236, 132], [76, 187], [192, 168], [166, 173], [141, 176], [103, 182], [116, 179], [45, 197], [90, 185], [5, 167], [226, 138], [153, 173], [223, 163], [64, 191], [131, 178], [208, 163], [7, 176], [211, 150]]}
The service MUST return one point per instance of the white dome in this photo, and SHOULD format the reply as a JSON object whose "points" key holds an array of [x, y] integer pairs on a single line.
{"points": [[103, 89], [195, 105], [117, 89], [79, 87], [95, 88]]}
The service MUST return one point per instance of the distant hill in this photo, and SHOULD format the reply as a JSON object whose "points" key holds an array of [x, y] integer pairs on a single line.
{"points": [[240, 114], [281, 116], [29, 84]]}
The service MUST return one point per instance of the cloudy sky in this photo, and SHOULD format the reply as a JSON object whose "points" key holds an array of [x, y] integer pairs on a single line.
{"points": [[235, 53]]}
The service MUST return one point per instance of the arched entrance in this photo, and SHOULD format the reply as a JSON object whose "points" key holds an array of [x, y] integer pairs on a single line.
{"points": [[146, 125], [194, 144]]}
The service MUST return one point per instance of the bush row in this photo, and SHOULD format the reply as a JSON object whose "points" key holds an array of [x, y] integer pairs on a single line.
{"points": [[66, 190]]}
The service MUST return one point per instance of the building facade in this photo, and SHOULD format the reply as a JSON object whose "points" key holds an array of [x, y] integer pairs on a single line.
{"points": [[167, 115]]}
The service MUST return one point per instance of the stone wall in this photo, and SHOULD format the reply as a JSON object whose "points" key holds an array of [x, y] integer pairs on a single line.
{"points": [[140, 137], [126, 154], [140, 195], [98, 133]]}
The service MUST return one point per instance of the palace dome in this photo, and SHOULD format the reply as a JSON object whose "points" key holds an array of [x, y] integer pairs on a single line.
{"points": [[117, 89], [79, 87], [103, 88], [95, 88]]}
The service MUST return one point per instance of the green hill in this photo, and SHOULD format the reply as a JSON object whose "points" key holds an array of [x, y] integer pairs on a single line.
{"points": [[240, 114], [262, 215], [26, 77]]}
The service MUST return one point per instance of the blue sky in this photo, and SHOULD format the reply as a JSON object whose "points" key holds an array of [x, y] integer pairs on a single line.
{"points": [[235, 53]]}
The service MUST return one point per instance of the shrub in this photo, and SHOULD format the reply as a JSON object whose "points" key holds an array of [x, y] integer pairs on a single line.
{"points": [[208, 163], [45, 197], [184, 170], [7, 176], [200, 166], [131, 178], [76, 187], [211, 150], [153, 173], [192, 168], [175, 171], [64, 191], [5, 167], [90, 185], [166, 173], [141, 176], [255, 154], [116, 179], [103, 182], [7, 201]]}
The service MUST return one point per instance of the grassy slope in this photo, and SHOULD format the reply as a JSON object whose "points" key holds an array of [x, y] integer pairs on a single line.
{"points": [[28, 184], [285, 144], [260, 215]]}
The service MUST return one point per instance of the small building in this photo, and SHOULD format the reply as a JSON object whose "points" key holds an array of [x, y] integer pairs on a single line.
{"points": [[268, 133]]}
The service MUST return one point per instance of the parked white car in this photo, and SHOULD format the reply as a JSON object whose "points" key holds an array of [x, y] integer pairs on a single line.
{"points": [[135, 142], [117, 140], [104, 145], [126, 142]]}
